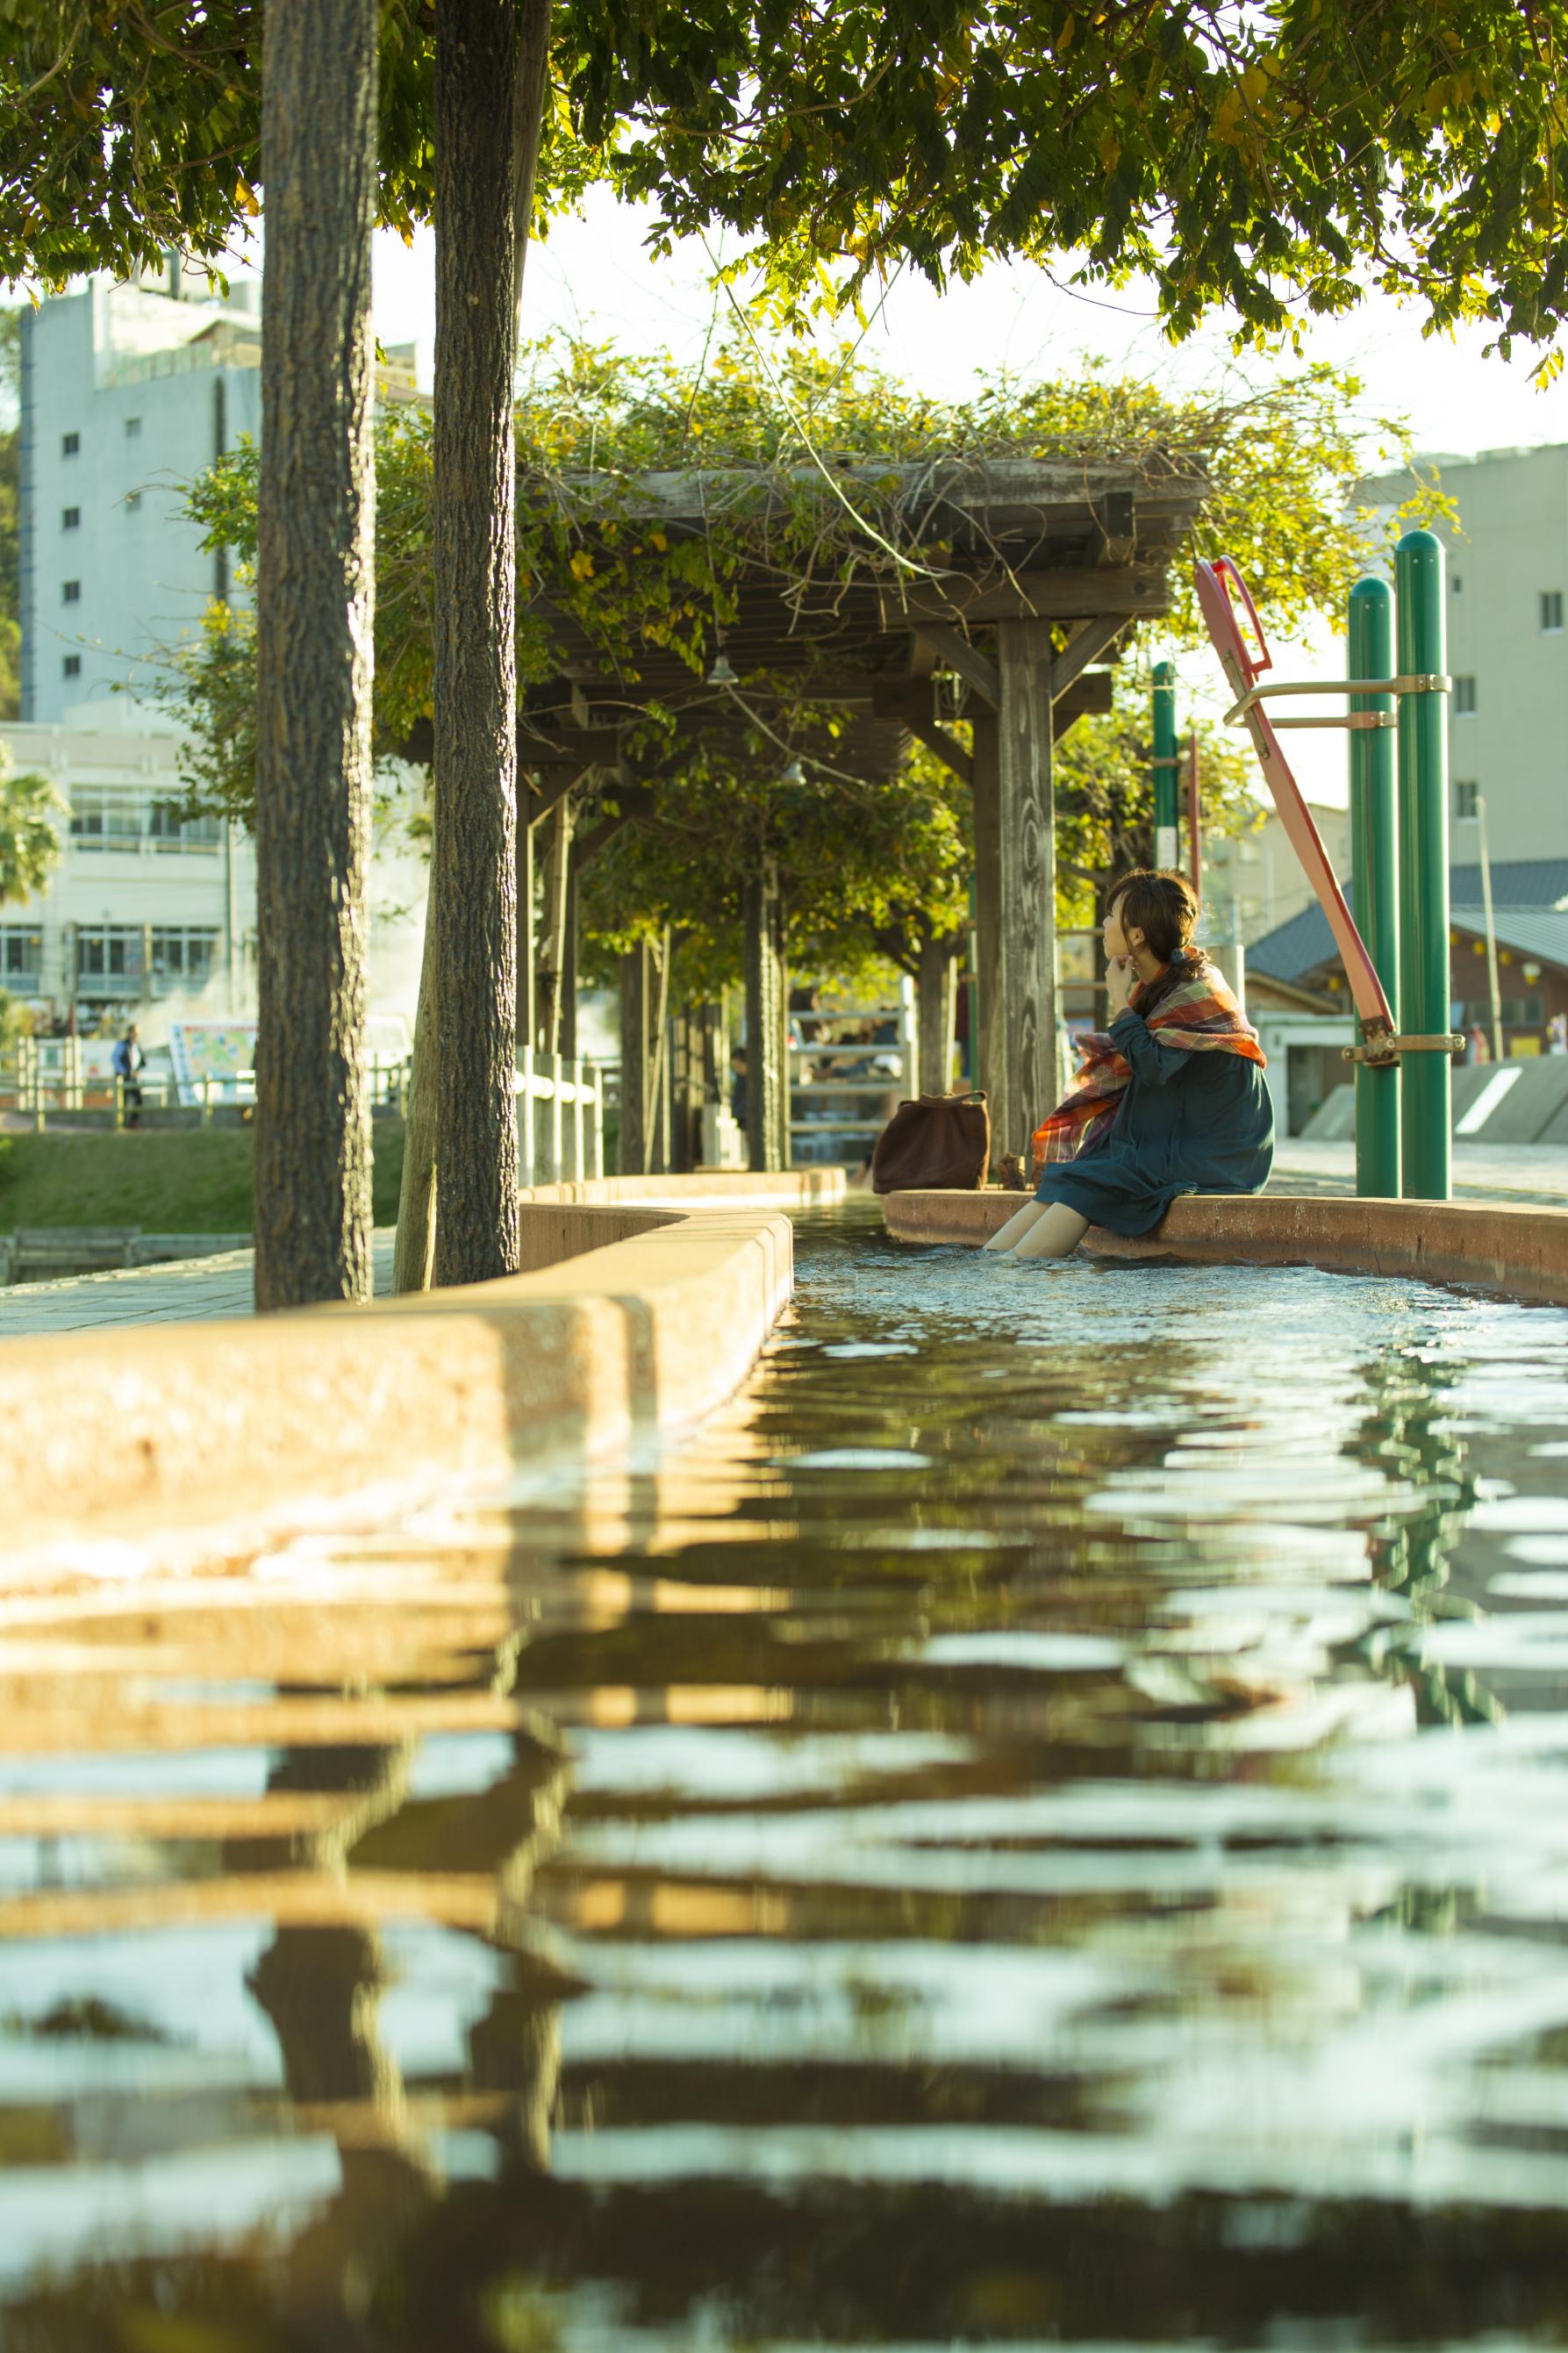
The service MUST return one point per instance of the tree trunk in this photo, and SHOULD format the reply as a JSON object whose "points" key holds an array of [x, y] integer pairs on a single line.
{"points": [[315, 589], [933, 1012], [478, 123]]}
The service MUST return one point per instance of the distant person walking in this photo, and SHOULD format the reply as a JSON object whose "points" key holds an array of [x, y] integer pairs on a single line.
{"points": [[128, 1062]]}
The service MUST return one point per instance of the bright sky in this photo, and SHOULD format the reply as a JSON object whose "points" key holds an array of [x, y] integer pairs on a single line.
{"points": [[593, 276]]}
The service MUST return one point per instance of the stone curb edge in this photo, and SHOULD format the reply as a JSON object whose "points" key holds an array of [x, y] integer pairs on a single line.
{"points": [[195, 1443], [1510, 1250]]}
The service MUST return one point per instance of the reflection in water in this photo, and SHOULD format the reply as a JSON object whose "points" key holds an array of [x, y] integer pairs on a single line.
{"points": [[1044, 1821]]}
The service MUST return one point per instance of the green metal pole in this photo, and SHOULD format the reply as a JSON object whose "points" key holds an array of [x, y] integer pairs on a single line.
{"points": [[1425, 1089], [1374, 868], [1166, 841]]}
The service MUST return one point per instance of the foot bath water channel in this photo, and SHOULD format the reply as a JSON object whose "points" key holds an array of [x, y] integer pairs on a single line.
{"points": [[1047, 1821]]}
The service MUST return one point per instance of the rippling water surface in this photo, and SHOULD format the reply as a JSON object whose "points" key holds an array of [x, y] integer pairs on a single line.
{"points": [[1048, 1821]]}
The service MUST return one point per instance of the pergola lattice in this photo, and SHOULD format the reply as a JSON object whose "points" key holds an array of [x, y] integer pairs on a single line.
{"points": [[1020, 578]]}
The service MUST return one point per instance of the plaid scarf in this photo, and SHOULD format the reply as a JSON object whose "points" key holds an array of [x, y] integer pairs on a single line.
{"points": [[1201, 1016]]}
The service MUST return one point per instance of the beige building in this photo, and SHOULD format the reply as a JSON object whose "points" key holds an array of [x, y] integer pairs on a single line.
{"points": [[1261, 877], [1508, 646]]}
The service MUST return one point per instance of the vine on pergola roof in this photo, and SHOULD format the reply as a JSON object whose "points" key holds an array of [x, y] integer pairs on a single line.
{"points": [[805, 461]]}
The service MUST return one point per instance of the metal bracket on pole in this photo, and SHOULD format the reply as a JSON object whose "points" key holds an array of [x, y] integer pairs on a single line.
{"points": [[1381, 1048], [1407, 682]]}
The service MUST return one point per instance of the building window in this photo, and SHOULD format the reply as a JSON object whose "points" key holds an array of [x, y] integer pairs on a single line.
{"points": [[1464, 799], [71, 592], [133, 501], [1514, 1012], [70, 519], [168, 829], [70, 444], [1551, 612], [1456, 584], [71, 666], [132, 428], [1464, 698], [182, 956], [104, 818], [21, 956], [109, 957]]}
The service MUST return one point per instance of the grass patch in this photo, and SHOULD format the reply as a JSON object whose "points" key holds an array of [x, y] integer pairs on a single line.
{"points": [[165, 1181]]}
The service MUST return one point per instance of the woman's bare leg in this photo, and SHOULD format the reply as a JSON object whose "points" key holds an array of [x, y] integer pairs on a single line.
{"points": [[1057, 1233], [1016, 1227]]}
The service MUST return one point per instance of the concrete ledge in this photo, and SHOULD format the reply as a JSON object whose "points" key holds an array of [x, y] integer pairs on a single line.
{"points": [[1516, 1251], [201, 1441]]}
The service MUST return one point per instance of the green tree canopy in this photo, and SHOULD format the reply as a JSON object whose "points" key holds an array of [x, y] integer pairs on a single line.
{"points": [[30, 834], [1268, 158]]}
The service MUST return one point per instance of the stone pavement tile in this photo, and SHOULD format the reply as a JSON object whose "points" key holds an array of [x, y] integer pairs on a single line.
{"points": [[1518, 1172], [191, 1290]]}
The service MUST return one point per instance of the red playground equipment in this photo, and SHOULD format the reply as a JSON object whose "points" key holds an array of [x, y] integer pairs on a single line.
{"points": [[1221, 589]]}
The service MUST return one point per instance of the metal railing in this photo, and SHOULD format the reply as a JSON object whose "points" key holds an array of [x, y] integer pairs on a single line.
{"points": [[560, 1119]]}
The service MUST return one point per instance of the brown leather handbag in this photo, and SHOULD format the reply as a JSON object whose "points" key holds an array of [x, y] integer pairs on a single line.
{"points": [[939, 1144]]}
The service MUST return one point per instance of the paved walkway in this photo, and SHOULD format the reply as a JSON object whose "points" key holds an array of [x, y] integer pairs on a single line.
{"points": [[194, 1289], [189, 1291], [1514, 1172]]}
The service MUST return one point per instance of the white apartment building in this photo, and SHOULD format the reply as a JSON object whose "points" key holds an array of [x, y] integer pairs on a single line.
{"points": [[1261, 878], [128, 392], [147, 912], [1508, 644]]}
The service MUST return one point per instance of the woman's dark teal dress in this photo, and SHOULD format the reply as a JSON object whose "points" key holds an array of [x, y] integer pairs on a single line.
{"points": [[1188, 1122]]}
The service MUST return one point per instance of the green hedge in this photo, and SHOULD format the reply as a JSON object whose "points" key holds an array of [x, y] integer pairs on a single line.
{"points": [[166, 1181]]}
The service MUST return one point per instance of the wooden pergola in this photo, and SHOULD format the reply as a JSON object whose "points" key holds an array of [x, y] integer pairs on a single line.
{"points": [[1019, 577]]}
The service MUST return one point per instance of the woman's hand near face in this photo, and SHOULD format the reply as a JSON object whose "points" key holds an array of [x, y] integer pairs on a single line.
{"points": [[1120, 978]]}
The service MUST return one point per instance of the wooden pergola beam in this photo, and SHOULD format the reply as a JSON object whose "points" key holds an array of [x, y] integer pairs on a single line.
{"points": [[953, 648], [948, 749], [1088, 644], [1070, 595]]}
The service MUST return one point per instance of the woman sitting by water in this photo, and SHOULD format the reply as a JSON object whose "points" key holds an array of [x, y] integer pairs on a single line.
{"points": [[1172, 1101]]}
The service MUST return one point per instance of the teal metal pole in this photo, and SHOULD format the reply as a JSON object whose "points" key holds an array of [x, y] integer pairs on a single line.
{"points": [[1167, 849], [1426, 1087], [1374, 869]]}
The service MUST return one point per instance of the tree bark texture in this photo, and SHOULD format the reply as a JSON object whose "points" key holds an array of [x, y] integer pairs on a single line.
{"points": [[933, 1011], [315, 586], [767, 1020], [480, 133]]}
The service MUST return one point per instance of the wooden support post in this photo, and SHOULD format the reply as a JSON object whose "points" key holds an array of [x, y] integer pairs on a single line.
{"points": [[569, 961], [553, 925], [525, 940], [688, 1086], [989, 1042], [767, 1062], [634, 1057], [1023, 1026], [933, 1013]]}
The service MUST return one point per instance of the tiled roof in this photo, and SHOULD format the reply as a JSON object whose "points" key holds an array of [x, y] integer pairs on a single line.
{"points": [[1530, 899]]}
